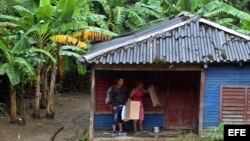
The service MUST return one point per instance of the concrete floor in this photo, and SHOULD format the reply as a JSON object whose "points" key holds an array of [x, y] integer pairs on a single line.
{"points": [[165, 135]]}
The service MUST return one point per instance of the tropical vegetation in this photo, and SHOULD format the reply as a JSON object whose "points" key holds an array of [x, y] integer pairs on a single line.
{"points": [[40, 40]]}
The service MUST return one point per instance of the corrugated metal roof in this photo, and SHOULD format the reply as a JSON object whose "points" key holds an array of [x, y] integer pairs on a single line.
{"points": [[179, 40]]}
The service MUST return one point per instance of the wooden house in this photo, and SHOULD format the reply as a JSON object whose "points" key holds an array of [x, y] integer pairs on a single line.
{"points": [[200, 70]]}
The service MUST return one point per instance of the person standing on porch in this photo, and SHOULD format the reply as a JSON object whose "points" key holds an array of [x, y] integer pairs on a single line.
{"points": [[118, 97], [136, 95]]}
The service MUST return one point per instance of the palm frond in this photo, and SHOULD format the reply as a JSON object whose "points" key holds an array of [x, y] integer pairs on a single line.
{"points": [[9, 18], [154, 5], [214, 13], [44, 2], [119, 14], [8, 25], [6, 52], [44, 52], [21, 45], [23, 11], [144, 10], [44, 12], [225, 21], [217, 5], [245, 24], [25, 66], [92, 17], [72, 26], [81, 6], [105, 6], [117, 28], [31, 4], [131, 26], [66, 8], [81, 68], [135, 18], [69, 53], [12, 73], [102, 24], [73, 48], [67, 63]]}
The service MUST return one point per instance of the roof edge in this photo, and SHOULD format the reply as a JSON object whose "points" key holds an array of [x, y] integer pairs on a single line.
{"points": [[92, 55], [224, 28]]}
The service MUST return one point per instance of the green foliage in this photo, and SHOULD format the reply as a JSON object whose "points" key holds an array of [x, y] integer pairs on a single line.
{"points": [[24, 66], [44, 12], [15, 66], [71, 51], [44, 2], [224, 12], [31, 4], [3, 6], [21, 45], [215, 132], [83, 137], [120, 14], [12, 73], [71, 26], [227, 15], [191, 137], [126, 15], [66, 8], [44, 52], [22, 11], [81, 68]]}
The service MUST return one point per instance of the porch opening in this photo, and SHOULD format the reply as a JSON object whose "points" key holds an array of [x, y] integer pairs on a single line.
{"points": [[178, 92]]}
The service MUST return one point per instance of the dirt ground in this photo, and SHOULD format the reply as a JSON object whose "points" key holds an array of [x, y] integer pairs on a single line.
{"points": [[72, 113]]}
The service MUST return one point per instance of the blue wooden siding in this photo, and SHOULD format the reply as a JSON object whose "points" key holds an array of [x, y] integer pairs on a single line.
{"points": [[217, 75], [104, 121]]}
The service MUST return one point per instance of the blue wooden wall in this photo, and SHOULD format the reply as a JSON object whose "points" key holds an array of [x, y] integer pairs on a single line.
{"points": [[104, 121], [217, 75]]}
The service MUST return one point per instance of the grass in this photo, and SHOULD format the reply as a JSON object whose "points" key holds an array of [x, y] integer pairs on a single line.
{"points": [[214, 133]]}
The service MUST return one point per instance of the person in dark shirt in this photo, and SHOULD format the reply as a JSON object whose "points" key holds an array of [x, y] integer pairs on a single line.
{"points": [[118, 97]]}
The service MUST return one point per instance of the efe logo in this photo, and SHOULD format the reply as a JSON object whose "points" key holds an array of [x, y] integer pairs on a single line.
{"points": [[236, 132], [241, 132]]}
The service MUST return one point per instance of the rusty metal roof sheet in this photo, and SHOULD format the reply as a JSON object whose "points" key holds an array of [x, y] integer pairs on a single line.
{"points": [[182, 39]]}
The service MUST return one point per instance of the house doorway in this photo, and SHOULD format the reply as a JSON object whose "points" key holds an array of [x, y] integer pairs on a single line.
{"points": [[182, 101]]}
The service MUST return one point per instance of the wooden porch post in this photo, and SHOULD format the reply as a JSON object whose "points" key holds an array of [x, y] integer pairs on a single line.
{"points": [[202, 85], [91, 120]]}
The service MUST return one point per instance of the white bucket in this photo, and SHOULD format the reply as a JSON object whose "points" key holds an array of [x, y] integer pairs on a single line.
{"points": [[156, 129]]}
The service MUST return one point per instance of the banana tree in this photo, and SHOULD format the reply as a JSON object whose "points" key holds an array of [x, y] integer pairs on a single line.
{"points": [[227, 15], [16, 68], [76, 33], [44, 21], [217, 10], [123, 15]]}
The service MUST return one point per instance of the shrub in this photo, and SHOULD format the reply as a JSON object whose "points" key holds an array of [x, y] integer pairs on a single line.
{"points": [[215, 132], [192, 137]]}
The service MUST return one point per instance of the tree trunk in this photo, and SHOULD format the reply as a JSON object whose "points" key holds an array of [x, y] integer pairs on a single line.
{"points": [[50, 106], [44, 93], [36, 112], [30, 94], [22, 105], [13, 116]]}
